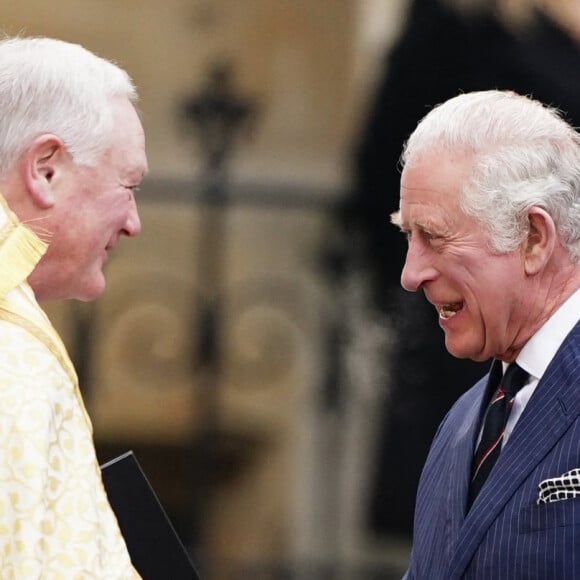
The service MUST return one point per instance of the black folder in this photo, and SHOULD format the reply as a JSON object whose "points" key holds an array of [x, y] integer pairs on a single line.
{"points": [[155, 548]]}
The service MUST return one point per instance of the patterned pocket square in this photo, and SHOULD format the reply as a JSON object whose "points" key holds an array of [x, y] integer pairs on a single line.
{"points": [[567, 486]]}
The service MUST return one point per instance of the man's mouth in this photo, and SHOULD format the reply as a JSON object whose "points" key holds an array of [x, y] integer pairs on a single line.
{"points": [[447, 311]]}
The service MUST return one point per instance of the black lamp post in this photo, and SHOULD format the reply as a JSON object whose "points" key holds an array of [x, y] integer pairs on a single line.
{"points": [[216, 116]]}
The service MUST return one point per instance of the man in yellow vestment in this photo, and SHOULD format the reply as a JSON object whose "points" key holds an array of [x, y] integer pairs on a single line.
{"points": [[72, 153]]}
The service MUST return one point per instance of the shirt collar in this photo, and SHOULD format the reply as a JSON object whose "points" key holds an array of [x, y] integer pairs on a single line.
{"points": [[543, 345]]}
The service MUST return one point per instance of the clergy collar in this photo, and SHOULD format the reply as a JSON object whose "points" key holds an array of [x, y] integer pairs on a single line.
{"points": [[20, 249]]}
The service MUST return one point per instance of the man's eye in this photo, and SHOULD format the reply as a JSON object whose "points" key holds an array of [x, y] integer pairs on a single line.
{"points": [[433, 239]]}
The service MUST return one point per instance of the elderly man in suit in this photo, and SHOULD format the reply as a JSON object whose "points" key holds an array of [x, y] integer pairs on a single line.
{"points": [[490, 203]]}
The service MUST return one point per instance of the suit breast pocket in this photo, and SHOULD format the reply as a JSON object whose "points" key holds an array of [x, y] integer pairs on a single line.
{"points": [[547, 516]]}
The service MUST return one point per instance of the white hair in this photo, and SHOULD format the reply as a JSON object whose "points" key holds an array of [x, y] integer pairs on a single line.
{"points": [[52, 86], [524, 154]]}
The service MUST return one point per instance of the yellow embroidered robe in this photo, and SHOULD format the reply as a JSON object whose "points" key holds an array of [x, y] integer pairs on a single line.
{"points": [[55, 520]]}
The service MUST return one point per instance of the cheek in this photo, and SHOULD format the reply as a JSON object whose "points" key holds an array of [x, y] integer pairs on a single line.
{"points": [[104, 216], [497, 292], [116, 211]]}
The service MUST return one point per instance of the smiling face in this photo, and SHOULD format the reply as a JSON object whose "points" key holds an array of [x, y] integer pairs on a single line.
{"points": [[93, 208], [481, 296]]}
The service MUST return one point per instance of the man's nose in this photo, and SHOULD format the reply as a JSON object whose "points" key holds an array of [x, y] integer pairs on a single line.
{"points": [[418, 267], [133, 223]]}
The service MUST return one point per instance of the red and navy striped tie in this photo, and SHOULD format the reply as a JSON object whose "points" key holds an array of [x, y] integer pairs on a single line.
{"points": [[494, 422]]}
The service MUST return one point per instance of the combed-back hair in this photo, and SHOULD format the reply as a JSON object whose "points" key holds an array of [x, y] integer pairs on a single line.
{"points": [[52, 86], [524, 154]]}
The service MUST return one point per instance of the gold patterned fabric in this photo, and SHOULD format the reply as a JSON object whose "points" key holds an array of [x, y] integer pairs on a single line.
{"points": [[55, 520]]}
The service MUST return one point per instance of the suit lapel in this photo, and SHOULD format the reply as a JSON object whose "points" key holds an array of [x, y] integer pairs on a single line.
{"points": [[549, 413], [462, 449]]}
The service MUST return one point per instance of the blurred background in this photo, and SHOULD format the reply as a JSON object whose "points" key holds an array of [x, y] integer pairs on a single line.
{"points": [[253, 347]]}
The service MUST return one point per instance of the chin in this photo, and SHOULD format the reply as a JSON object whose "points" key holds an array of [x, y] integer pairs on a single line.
{"points": [[91, 291], [90, 296], [462, 351]]}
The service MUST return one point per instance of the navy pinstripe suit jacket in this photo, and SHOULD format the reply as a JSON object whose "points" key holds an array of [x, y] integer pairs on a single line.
{"points": [[505, 535]]}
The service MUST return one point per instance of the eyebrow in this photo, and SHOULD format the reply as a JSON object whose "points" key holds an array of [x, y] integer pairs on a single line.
{"points": [[396, 218], [424, 226]]}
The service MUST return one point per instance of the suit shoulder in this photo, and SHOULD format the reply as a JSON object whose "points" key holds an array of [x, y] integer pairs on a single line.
{"points": [[470, 398]]}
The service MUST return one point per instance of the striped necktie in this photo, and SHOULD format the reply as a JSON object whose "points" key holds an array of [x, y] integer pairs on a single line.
{"points": [[494, 422]]}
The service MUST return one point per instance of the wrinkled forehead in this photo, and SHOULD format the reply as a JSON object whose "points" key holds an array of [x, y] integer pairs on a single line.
{"points": [[432, 181], [129, 137], [438, 170]]}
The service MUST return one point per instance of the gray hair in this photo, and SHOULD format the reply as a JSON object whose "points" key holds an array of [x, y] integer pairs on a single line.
{"points": [[52, 86], [524, 154]]}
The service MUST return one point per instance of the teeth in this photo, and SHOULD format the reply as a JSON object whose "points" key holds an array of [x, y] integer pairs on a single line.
{"points": [[449, 310], [443, 313]]}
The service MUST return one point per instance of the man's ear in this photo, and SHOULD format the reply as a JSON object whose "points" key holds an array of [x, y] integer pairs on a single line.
{"points": [[541, 241], [40, 165]]}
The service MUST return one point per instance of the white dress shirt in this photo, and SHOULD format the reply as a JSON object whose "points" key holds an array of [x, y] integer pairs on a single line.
{"points": [[539, 351]]}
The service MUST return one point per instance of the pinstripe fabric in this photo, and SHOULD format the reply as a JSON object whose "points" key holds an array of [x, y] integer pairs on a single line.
{"points": [[505, 535]]}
